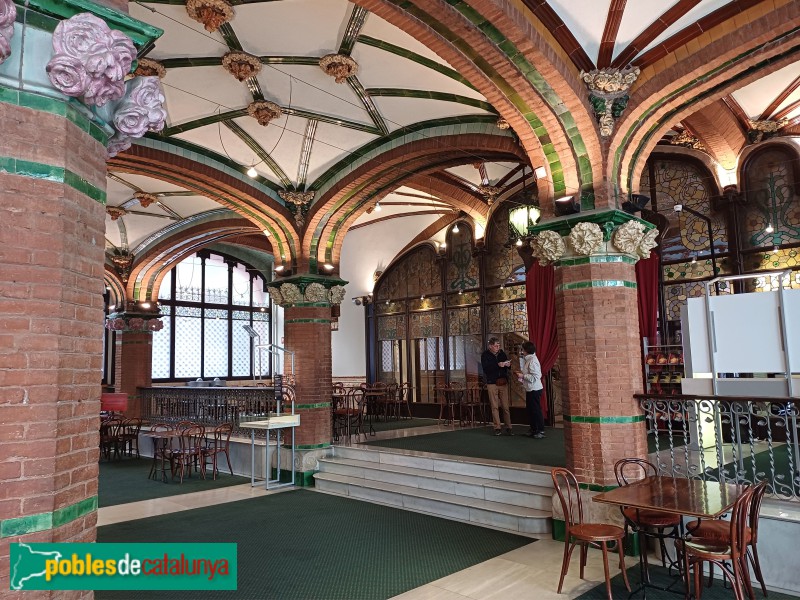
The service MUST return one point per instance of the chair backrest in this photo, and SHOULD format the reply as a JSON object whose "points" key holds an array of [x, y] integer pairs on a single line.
{"points": [[570, 496], [222, 436], [629, 470], [110, 427], [755, 509], [740, 519], [132, 426], [191, 439], [182, 425], [160, 427]]}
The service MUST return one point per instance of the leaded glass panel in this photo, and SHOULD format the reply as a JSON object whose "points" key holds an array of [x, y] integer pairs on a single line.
{"points": [[189, 275], [161, 346], [425, 325], [392, 327], [464, 321], [165, 289], [505, 293], [215, 356], [240, 294], [188, 340], [263, 358], [771, 201], [502, 259], [462, 267], [241, 344], [216, 291]]}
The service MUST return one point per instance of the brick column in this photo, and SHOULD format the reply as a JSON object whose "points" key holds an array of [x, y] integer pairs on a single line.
{"points": [[598, 329], [52, 225], [307, 301]]}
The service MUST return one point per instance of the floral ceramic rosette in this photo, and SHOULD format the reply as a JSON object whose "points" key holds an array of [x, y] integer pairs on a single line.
{"points": [[126, 323], [8, 14], [548, 247]]}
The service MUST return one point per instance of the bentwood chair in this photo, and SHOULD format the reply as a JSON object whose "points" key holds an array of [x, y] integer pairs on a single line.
{"points": [[190, 451], [720, 530], [599, 535], [403, 399], [218, 444], [129, 435], [110, 440], [647, 523], [715, 551]]}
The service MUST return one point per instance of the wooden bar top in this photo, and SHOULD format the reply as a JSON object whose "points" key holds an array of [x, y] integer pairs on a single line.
{"points": [[691, 497]]}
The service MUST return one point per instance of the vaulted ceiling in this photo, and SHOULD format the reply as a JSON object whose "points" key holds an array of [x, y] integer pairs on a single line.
{"points": [[416, 126]]}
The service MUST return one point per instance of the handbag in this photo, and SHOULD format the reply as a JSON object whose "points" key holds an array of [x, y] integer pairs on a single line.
{"points": [[501, 381]]}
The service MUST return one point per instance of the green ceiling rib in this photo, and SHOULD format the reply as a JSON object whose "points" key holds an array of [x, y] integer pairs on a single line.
{"points": [[305, 153], [443, 96], [290, 60], [369, 105], [229, 36], [255, 88], [413, 56], [123, 233], [261, 153], [307, 114], [354, 25], [199, 61], [231, 2], [210, 120]]}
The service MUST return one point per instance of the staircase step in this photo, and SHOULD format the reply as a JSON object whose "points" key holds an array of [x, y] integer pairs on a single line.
{"points": [[508, 517], [506, 492]]}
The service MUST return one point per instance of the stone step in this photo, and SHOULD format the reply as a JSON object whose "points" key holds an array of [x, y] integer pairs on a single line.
{"points": [[508, 517], [525, 474], [506, 492]]}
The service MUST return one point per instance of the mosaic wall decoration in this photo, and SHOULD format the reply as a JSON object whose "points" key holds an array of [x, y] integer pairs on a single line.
{"points": [[464, 321], [773, 260], [681, 182], [388, 307], [392, 328], [463, 299], [770, 283], [502, 258], [506, 293], [771, 201], [699, 269], [675, 296], [426, 303], [507, 318], [424, 325], [462, 267]]}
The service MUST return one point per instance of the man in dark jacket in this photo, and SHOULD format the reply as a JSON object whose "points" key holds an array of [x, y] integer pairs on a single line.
{"points": [[495, 365]]}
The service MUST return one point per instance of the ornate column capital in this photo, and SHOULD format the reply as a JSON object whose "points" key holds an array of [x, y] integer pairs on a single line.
{"points": [[122, 265], [610, 233], [307, 290], [137, 321], [608, 93], [764, 129], [298, 203]]}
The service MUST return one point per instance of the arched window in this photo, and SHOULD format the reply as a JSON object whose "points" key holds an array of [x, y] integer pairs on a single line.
{"points": [[206, 301]]}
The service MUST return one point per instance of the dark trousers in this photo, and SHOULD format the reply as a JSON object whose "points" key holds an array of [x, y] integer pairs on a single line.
{"points": [[534, 406]]}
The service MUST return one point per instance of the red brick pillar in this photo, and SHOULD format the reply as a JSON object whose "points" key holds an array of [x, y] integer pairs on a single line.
{"points": [[599, 342], [307, 301], [133, 366], [52, 225]]}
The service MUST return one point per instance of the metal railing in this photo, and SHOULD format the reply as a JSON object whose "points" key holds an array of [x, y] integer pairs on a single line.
{"points": [[209, 406], [729, 439]]}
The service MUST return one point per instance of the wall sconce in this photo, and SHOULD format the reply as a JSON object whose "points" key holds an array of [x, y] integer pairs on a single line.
{"points": [[569, 205]]}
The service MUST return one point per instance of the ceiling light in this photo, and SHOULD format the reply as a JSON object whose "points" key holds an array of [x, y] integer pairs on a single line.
{"points": [[251, 172], [519, 242], [455, 228], [377, 207], [422, 297], [266, 232], [328, 266], [540, 172], [263, 309], [775, 250], [769, 228], [279, 268], [442, 246], [145, 305], [694, 259], [569, 205], [460, 292]]}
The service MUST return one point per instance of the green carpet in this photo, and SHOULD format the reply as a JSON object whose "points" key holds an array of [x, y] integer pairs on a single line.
{"points": [[123, 481], [763, 469], [663, 442], [400, 424], [480, 443], [661, 578], [306, 545]]}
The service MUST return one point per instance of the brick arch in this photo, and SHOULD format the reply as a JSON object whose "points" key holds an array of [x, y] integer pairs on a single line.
{"points": [[112, 280], [260, 209], [671, 89], [700, 160], [349, 197], [559, 159], [719, 130], [155, 262]]}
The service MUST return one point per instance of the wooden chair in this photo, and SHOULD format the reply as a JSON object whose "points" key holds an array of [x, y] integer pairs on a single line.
{"points": [[646, 523], [583, 534], [404, 399], [720, 530], [110, 440], [715, 551], [190, 451], [218, 444], [129, 435], [470, 402], [162, 452]]}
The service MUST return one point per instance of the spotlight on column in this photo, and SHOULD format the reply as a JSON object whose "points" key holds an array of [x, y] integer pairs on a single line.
{"points": [[568, 205], [636, 203]]}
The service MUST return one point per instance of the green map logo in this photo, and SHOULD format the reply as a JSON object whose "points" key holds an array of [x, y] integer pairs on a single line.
{"points": [[122, 566]]}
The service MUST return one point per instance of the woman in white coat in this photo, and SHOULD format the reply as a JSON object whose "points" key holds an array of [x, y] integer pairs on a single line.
{"points": [[530, 376]]}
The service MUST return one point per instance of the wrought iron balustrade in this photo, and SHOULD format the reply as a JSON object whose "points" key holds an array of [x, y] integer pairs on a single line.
{"points": [[210, 406], [741, 440]]}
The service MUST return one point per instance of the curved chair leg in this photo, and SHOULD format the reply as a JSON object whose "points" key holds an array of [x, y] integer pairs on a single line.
{"points": [[565, 563], [604, 547], [622, 565], [753, 556], [584, 553]]}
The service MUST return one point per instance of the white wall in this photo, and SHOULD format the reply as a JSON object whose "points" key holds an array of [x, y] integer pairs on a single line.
{"points": [[363, 251]]}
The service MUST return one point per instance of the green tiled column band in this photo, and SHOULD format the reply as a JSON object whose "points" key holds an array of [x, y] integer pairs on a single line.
{"points": [[600, 283], [301, 478], [54, 106], [327, 321], [621, 419], [312, 304], [310, 406], [48, 520], [312, 446], [34, 170], [586, 260]]}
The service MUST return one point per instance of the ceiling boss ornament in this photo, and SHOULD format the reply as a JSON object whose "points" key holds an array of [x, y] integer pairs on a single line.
{"points": [[339, 66], [264, 111], [608, 93], [148, 67], [764, 129], [212, 14], [115, 212], [8, 14], [489, 193], [298, 202], [241, 64], [145, 199]]}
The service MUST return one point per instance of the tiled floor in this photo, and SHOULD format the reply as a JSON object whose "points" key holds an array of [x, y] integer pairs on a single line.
{"points": [[531, 571]]}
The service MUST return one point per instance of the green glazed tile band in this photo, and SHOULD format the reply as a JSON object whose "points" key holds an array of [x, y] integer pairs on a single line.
{"points": [[601, 283], [583, 419], [327, 321], [317, 405], [301, 478], [312, 446], [585, 260], [48, 520], [312, 304], [53, 106], [34, 170], [594, 487]]}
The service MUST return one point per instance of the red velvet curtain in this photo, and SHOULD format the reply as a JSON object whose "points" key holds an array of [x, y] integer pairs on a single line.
{"points": [[647, 291], [540, 295]]}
